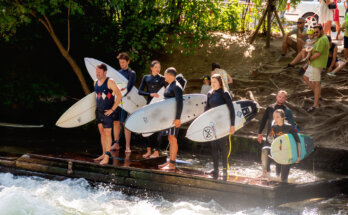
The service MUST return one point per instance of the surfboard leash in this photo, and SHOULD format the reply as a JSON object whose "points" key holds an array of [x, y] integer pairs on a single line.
{"points": [[228, 156]]}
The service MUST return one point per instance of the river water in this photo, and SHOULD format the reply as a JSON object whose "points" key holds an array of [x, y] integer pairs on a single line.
{"points": [[34, 195]]}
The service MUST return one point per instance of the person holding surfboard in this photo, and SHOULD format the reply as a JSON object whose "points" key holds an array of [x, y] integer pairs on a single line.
{"points": [[279, 128], [173, 90], [153, 83], [267, 119], [106, 90], [217, 96], [121, 115]]}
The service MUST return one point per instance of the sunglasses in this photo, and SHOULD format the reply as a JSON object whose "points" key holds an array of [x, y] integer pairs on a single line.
{"points": [[300, 22], [316, 32]]}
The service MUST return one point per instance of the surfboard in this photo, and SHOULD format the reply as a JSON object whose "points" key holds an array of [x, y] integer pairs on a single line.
{"points": [[129, 103], [14, 125], [83, 111], [80, 113], [215, 123], [160, 115], [284, 151]]}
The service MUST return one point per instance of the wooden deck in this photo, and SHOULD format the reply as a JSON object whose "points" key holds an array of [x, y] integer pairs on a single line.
{"points": [[143, 174]]}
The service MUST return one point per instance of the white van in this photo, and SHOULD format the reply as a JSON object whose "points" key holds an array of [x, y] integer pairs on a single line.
{"points": [[309, 10]]}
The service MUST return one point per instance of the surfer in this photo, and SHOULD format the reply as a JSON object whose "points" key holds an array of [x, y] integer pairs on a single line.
{"points": [[279, 128], [217, 96], [268, 118], [173, 90], [153, 83], [106, 90], [121, 115]]}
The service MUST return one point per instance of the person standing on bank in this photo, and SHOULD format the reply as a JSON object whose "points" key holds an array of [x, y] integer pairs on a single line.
{"points": [[217, 96], [279, 128], [121, 115], [153, 83], [106, 90], [268, 119], [227, 79], [317, 62], [173, 90]]}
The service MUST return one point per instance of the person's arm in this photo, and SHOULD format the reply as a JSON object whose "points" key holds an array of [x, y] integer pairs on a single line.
{"points": [[298, 142], [112, 86], [263, 124], [141, 88], [333, 62], [289, 117], [300, 34], [229, 79], [228, 100], [179, 101], [131, 82]]}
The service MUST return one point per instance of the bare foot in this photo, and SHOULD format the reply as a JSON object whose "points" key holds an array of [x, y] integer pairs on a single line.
{"points": [[99, 158], [163, 165], [169, 167], [128, 151], [147, 155], [155, 154], [115, 147], [105, 160]]}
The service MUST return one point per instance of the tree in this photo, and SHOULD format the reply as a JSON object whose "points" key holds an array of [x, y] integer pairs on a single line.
{"points": [[15, 13]]}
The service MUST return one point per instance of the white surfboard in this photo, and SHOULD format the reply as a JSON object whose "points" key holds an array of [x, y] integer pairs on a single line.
{"points": [[160, 115], [215, 123], [83, 111], [133, 100], [80, 113], [284, 148]]}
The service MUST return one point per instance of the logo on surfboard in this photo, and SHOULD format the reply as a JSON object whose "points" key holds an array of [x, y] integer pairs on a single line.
{"points": [[209, 132]]}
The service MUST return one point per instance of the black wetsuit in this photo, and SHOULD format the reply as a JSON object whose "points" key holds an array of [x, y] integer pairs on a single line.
{"points": [[268, 118], [129, 74], [152, 84], [174, 90], [219, 147], [277, 131], [331, 52]]}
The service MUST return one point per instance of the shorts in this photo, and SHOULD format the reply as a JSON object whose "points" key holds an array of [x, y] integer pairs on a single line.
{"points": [[107, 121], [170, 131], [120, 115], [329, 61], [345, 42], [336, 15], [314, 74]]}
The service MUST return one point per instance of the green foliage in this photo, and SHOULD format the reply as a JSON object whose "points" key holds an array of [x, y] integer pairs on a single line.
{"points": [[15, 13]]}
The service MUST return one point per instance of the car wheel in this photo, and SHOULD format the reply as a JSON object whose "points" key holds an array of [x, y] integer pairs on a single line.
{"points": [[311, 20]]}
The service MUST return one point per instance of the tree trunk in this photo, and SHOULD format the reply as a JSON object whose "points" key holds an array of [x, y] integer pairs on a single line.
{"points": [[72, 63]]}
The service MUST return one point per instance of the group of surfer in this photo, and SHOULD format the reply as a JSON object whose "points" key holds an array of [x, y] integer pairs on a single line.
{"points": [[110, 115]]}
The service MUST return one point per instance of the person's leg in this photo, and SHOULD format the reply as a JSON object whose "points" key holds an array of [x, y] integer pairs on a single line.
{"points": [[107, 145], [215, 155], [101, 132], [127, 134], [309, 84], [296, 60], [316, 89], [117, 132], [173, 150], [278, 168], [286, 43], [339, 66], [346, 54], [154, 145], [300, 44], [327, 28], [148, 147], [266, 162], [224, 153], [285, 170]]}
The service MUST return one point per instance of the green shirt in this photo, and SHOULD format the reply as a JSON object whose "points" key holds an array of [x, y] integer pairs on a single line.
{"points": [[345, 26], [322, 45]]}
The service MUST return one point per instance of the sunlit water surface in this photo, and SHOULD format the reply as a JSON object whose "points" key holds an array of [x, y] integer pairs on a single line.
{"points": [[35, 195]]}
